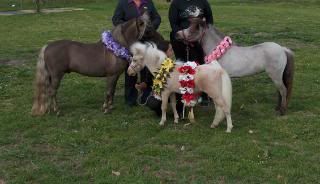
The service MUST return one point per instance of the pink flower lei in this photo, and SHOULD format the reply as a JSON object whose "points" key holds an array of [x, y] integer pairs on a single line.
{"points": [[218, 52], [186, 79]]}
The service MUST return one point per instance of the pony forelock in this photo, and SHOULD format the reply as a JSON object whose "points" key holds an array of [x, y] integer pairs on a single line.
{"points": [[137, 48]]}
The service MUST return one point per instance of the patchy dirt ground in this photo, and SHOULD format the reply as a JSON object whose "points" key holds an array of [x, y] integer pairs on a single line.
{"points": [[51, 10], [13, 62]]}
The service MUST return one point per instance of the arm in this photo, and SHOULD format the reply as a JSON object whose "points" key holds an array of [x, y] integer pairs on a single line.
{"points": [[155, 17], [173, 17], [146, 77], [208, 12], [118, 15]]}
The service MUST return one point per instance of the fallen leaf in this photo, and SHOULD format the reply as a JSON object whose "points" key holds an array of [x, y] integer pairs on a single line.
{"points": [[116, 173], [187, 124], [182, 148]]}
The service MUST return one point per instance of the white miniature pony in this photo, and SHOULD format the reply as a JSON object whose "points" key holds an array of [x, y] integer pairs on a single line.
{"points": [[211, 78], [275, 60]]}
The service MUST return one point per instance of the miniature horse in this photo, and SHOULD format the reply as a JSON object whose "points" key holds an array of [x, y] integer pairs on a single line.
{"points": [[210, 78], [270, 57], [65, 56]]}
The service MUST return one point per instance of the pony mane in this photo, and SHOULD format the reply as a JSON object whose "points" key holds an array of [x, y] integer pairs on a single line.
{"points": [[217, 31], [148, 49], [117, 32], [137, 48], [153, 52], [128, 32]]}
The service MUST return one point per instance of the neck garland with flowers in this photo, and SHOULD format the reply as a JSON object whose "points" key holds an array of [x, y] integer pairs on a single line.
{"points": [[160, 79], [186, 79], [219, 51], [112, 45]]}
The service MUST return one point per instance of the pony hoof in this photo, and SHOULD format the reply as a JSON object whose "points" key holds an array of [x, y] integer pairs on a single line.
{"points": [[161, 123], [229, 128], [58, 113], [192, 120], [107, 111], [213, 126], [37, 113], [282, 111], [176, 121]]}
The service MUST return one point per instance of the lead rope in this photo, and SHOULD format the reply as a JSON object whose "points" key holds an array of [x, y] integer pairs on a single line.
{"points": [[187, 50], [139, 99], [140, 91], [184, 106]]}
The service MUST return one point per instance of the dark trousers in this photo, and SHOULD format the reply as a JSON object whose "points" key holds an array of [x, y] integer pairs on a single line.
{"points": [[180, 52], [130, 92]]}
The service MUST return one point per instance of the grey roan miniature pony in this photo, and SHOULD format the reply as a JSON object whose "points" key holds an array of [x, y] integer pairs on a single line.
{"points": [[270, 57], [65, 56]]}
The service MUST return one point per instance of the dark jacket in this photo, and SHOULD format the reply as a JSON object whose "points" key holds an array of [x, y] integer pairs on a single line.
{"points": [[126, 10], [181, 10]]}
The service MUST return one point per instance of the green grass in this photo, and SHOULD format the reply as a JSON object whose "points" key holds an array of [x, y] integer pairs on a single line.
{"points": [[84, 146]]}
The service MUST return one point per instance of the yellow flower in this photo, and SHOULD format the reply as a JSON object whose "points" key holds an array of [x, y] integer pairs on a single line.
{"points": [[161, 77], [167, 65], [165, 75], [158, 83]]}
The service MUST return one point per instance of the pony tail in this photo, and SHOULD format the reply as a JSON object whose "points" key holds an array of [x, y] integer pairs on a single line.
{"points": [[288, 73], [41, 84]]}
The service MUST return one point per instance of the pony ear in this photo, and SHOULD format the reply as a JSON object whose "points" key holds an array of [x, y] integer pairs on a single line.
{"points": [[145, 16], [202, 22]]}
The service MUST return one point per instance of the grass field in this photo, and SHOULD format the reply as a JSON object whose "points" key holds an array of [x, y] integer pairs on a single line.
{"points": [[83, 145]]}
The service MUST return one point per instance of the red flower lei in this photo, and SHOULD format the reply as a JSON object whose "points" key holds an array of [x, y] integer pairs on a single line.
{"points": [[186, 80]]}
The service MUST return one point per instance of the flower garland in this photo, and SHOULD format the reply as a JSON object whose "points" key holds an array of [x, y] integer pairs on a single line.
{"points": [[186, 79], [218, 52], [114, 46], [161, 77]]}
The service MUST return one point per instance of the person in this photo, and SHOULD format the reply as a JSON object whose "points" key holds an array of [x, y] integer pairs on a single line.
{"points": [[180, 11], [126, 10]]}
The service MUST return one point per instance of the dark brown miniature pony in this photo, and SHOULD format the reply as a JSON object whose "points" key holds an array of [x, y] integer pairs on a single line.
{"points": [[65, 56]]}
